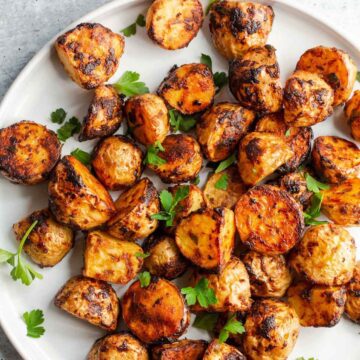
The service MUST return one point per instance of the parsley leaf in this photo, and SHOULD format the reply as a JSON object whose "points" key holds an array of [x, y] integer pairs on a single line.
{"points": [[71, 127], [358, 76], [206, 321], [313, 185], [129, 85], [140, 20], [140, 255], [222, 183], [180, 122], [131, 29], [33, 320], [209, 6], [58, 116], [152, 157], [82, 156], [233, 326], [201, 293], [314, 211], [206, 60], [225, 163], [220, 80], [196, 181], [144, 278], [287, 133]]}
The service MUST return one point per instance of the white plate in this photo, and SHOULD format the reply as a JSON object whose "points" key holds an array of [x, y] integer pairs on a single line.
{"points": [[43, 86]]}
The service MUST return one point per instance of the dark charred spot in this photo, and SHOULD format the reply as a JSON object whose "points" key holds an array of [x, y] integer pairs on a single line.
{"points": [[253, 150]]}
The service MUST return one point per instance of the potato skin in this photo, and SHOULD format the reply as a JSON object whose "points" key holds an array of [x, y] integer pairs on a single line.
{"points": [[28, 152], [352, 113], [90, 53], [49, 242], [180, 350], [92, 300], [76, 197], [172, 24], [352, 305], [222, 351]]}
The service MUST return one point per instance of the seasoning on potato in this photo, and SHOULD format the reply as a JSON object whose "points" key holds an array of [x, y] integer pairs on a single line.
{"points": [[222, 351], [352, 113], [352, 305], [181, 350]]}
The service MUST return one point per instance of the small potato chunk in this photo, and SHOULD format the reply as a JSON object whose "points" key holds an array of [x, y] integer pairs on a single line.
{"points": [[155, 313], [90, 53], [92, 300], [308, 99], [268, 220], [147, 118], [222, 351], [221, 128], [180, 350], [325, 255], [336, 67], [336, 159], [134, 208], [109, 259], [317, 305], [117, 162], [260, 155], [172, 24], [49, 242], [236, 26], [28, 152], [271, 330], [352, 305], [189, 88], [206, 238], [254, 80], [272, 123], [352, 113], [76, 197]]}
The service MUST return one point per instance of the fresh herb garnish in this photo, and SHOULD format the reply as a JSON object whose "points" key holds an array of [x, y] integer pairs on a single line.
{"points": [[82, 156], [180, 122], [220, 78], [206, 321], [58, 116], [358, 76], [223, 182], [287, 133], [152, 156], [206, 60], [201, 293], [129, 85], [233, 326], [225, 163], [33, 320], [71, 127], [140, 255], [313, 211], [144, 278], [131, 29], [196, 181], [209, 6], [314, 185]]}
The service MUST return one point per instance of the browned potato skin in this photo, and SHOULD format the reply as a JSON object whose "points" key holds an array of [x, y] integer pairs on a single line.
{"points": [[147, 118], [254, 80], [189, 88], [28, 152], [92, 300], [155, 313], [49, 241], [180, 350], [268, 220], [352, 113], [90, 53], [317, 305], [236, 26], [336, 159], [117, 162], [222, 351], [271, 330], [221, 128], [352, 305], [77, 198], [172, 24], [325, 255]]}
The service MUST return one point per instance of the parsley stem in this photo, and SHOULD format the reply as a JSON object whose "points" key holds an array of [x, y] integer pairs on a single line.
{"points": [[24, 238]]}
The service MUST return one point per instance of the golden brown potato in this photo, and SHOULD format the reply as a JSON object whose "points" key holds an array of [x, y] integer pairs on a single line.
{"points": [[308, 99], [221, 128], [222, 351], [254, 80], [325, 255], [76, 197], [90, 53], [134, 208], [92, 300], [28, 152], [352, 113], [336, 159], [272, 123], [117, 162], [271, 330], [155, 313], [268, 220], [147, 118], [206, 238], [183, 159], [189, 88], [336, 67], [180, 350], [172, 24], [49, 242], [236, 26], [317, 305], [352, 305]]}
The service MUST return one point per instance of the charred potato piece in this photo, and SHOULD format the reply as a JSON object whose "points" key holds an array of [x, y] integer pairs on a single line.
{"points": [[222, 351], [28, 152], [325, 255], [76, 197], [180, 350], [134, 208], [172, 24], [91, 300], [49, 242], [155, 313], [268, 220], [90, 53], [352, 113], [352, 305], [272, 123], [189, 88]]}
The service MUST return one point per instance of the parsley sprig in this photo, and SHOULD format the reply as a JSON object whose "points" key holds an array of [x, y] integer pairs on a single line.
{"points": [[130, 85], [201, 293], [131, 29], [141, 255], [70, 128], [206, 321], [180, 122], [225, 163], [33, 320], [58, 116], [82, 156], [223, 182], [144, 278], [220, 78], [152, 156], [232, 326]]}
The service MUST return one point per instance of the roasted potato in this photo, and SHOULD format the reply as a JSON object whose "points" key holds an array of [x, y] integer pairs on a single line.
{"points": [[189, 88], [221, 128], [147, 118], [155, 313], [172, 24], [76, 197], [206, 238], [236, 26], [222, 351], [134, 208], [268, 220], [352, 305], [90, 53], [92, 300], [272, 123], [28, 152], [325, 255], [352, 113], [180, 350], [336, 67], [308, 99], [117, 162]]}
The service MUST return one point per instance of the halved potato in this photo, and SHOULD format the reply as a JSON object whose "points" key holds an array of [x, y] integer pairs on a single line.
{"points": [[180, 350], [352, 305], [272, 123], [222, 351], [352, 113]]}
